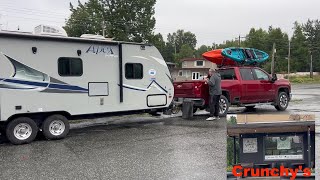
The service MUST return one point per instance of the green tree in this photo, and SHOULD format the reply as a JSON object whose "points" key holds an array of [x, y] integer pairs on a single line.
{"points": [[157, 41], [202, 49], [122, 20], [86, 18], [230, 150], [256, 39], [312, 32], [299, 50], [169, 52], [185, 52], [180, 38], [281, 39], [130, 20], [226, 44]]}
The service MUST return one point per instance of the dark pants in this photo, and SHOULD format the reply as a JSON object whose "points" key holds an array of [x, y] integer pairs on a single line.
{"points": [[214, 105]]}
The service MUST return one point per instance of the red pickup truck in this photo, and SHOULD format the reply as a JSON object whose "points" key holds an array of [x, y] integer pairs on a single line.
{"points": [[241, 86]]}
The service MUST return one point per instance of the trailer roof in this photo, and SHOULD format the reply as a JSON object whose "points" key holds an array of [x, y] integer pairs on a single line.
{"points": [[26, 35]]}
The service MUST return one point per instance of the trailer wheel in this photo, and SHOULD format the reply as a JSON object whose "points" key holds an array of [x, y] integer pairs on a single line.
{"points": [[224, 106], [55, 127], [22, 130]]}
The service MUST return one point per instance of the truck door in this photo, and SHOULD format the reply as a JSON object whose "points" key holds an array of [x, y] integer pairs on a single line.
{"points": [[266, 90], [250, 87]]}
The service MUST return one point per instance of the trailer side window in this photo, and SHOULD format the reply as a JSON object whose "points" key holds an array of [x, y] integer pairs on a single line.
{"points": [[70, 66], [134, 71]]}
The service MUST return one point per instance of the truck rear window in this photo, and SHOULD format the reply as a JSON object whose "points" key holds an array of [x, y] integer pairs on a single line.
{"points": [[227, 74], [246, 74]]}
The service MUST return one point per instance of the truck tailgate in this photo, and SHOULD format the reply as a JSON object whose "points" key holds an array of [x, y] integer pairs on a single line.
{"points": [[189, 89]]}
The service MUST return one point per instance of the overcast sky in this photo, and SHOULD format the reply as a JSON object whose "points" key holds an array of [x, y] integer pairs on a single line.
{"points": [[211, 20]]}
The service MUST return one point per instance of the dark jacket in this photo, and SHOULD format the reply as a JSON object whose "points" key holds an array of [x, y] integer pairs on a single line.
{"points": [[215, 84]]}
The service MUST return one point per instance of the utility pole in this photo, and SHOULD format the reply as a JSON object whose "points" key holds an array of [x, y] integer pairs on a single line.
{"points": [[273, 57], [289, 56], [103, 29], [311, 65], [0, 23], [239, 39]]}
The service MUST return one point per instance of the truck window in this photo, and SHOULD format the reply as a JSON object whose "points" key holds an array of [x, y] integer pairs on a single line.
{"points": [[227, 74], [70, 66], [134, 71], [261, 75], [246, 74]]}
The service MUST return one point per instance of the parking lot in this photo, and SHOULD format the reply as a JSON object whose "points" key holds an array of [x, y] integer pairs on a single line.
{"points": [[164, 149], [137, 147]]}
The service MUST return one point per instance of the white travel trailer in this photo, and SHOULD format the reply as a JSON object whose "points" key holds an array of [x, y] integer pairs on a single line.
{"points": [[47, 78]]}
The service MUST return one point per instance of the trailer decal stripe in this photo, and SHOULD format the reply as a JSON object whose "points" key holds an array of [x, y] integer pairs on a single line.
{"points": [[27, 82], [67, 87], [159, 86], [6, 86], [148, 88], [26, 86], [133, 88]]}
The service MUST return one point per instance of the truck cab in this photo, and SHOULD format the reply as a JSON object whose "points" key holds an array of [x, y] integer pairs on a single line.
{"points": [[241, 86]]}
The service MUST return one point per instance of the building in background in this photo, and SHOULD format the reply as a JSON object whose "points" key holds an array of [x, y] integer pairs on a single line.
{"points": [[192, 69]]}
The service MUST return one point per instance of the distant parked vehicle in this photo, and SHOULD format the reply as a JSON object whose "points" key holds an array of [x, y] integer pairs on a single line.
{"points": [[241, 86]]}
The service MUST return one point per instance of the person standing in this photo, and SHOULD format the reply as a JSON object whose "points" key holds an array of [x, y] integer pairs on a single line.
{"points": [[214, 82]]}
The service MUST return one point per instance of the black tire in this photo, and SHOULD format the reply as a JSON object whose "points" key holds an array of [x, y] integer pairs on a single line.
{"points": [[250, 108], [22, 130], [195, 109], [55, 127], [282, 101], [224, 104]]}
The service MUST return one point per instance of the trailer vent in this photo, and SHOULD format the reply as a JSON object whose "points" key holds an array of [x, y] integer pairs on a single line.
{"points": [[49, 30]]}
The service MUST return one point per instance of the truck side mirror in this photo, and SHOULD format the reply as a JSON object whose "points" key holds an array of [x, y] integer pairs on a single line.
{"points": [[274, 77]]}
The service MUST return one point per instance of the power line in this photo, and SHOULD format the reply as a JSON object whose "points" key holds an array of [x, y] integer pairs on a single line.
{"points": [[31, 13], [34, 19], [29, 9]]}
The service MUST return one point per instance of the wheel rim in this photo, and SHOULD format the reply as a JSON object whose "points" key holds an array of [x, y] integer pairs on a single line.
{"points": [[22, 131], [223, 106], [175, 109], [57, 127], [283, 100]]}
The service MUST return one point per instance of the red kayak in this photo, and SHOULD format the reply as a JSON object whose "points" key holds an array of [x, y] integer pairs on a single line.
{"points": [[216, 57]]}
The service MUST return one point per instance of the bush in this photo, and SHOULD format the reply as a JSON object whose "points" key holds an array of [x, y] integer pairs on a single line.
{"points": [[303, 79]]}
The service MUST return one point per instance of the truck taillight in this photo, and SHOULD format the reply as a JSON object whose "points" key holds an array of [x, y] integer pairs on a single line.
{"points": [[197, 89]]}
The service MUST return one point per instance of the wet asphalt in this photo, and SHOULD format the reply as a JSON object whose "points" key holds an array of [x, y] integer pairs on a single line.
{"points": [[164, 149], [138, 147]]}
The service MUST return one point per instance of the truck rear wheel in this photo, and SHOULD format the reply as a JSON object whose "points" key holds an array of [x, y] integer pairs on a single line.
{"points": [[224, 106], [55, 127], [21, 130], [282, 101]]}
